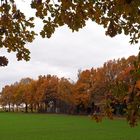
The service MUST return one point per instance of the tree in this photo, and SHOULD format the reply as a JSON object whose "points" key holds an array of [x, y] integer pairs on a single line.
{"points": [[66, 96], [114, 88], [117, 16], [7, 96], [32, 87], [22, 93], [15, 30], [82, 90]]}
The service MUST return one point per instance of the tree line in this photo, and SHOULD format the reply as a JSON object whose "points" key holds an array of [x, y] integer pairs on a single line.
{"points": [[113, 89]]}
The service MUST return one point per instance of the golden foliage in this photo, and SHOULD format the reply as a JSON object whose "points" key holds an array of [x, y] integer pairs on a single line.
{"points": [[116, 16]]}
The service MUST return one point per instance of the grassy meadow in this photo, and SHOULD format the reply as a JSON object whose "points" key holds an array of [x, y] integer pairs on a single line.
{"points": [[16, 126]]}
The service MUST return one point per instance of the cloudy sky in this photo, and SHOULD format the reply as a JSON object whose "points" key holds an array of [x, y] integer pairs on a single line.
{"points": [[66, 52]]}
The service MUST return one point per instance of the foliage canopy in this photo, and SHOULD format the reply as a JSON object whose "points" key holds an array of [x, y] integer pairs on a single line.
{"points": [[116, 16]]}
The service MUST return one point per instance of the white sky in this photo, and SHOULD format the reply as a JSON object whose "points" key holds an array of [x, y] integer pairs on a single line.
{"points": [[66, 52]]}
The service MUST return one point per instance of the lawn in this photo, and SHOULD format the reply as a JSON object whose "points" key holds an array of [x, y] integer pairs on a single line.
{"points": [[14, 126]]}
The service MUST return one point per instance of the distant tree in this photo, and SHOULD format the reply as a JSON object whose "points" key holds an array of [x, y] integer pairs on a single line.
{"points": [[111, 89], [66, 96], [7, 98], [82, 90]]}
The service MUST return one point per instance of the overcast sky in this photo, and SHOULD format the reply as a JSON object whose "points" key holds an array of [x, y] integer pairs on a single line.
{"points": [[66, 52]]}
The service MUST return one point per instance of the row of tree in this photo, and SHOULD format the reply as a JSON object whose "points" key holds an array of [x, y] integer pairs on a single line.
{"points": [[108, 89]]}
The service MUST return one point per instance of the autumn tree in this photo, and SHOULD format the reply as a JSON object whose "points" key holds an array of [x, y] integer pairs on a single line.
{"points": [[18, 94], [15, 30], [66, 96], [114, 87], [116, 16], [39, 93], [46, 91], [25, 91], [7, 97], [133, 98], [51, 91], [32, 88], [82, 90]]}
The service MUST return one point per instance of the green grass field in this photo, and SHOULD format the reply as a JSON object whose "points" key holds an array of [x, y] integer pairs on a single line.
{"points": [[15, 126]]}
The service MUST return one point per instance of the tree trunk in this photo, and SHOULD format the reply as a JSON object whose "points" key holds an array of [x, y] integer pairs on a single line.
{"points": [[31, 108], [9, 109], [26, 108], [13, 108]]}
